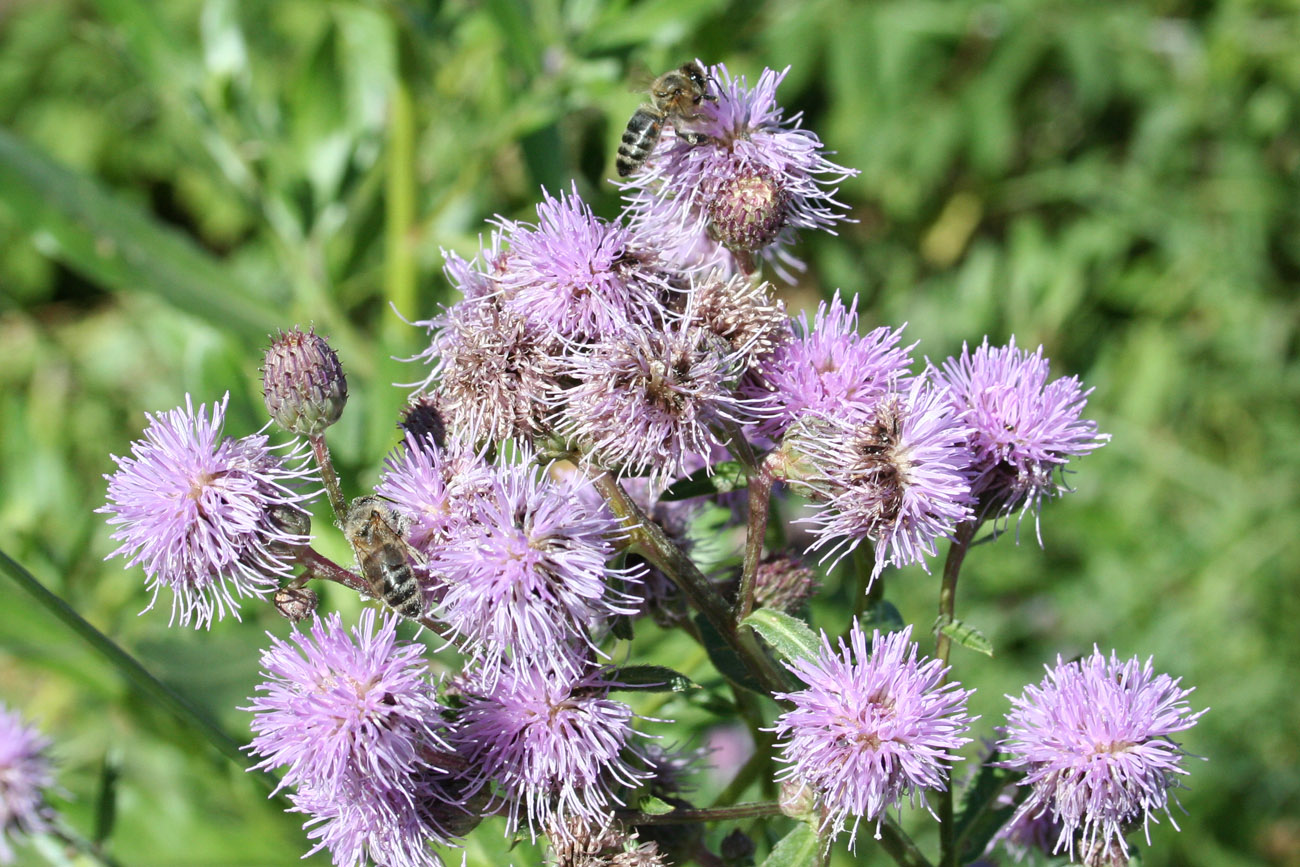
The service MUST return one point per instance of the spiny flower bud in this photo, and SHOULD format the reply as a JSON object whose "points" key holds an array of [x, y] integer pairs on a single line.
{"points": [[303, 383], [747, 212]]}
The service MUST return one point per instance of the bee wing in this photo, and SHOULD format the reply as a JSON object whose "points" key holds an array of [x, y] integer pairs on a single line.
{"points": [[638, 77]]}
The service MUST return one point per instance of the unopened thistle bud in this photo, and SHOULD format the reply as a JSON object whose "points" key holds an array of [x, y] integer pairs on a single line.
{"points": [[747, 211], [784, 582], [303, 383]]}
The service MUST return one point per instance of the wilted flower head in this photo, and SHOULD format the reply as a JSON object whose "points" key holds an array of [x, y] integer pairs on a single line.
{"points": [[648, 399], [870, 728], [1094, 741], [742, 312], [829, 369], [898, 476], [754, 180], [574, 274], [532, 573], [345, 710], [203, 514], [493, 372], [553, 743], [1023, 428], [25, 775]]}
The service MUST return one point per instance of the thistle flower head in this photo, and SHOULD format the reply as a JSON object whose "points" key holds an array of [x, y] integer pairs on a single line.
{"points": [[551, 740], [303, 383], [203, 513], [647, 400], [1023, 428], [1094, 740], [25, 775], [574, 274], [532, 572], [742, 312], [870, 727], [493, 372], [898, 477], [439, 491], [346, 710], [743, 176], [829, 369]]}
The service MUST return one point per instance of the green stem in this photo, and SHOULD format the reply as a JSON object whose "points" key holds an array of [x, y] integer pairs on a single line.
{"points": [[656, 547], [760, 502], [751, 810], [126, 665], [329, 478], [900, 846], [942, 647]]}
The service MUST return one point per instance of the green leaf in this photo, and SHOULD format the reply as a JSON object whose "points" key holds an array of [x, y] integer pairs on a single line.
{"points": [[721, 478], [724, 659], [790, 636], [979, 816], [652, 806], [106, 800], [76, 221], [651, 678], [799, 848], [967, 636], [882, 615]]}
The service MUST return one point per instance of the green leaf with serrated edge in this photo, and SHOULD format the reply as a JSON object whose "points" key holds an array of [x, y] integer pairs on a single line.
{"points": [[788, 635], [652, 806], [979, 816], [967, 636], [650, 678], [724, 659], [720, 478], [881, 615], [799, 848]]}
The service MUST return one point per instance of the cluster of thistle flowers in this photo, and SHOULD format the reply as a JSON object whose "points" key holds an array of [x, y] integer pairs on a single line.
{"points": [[588, 360]]}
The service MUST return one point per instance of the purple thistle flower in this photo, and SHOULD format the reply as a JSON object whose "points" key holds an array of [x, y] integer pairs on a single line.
{"points": [[532, 573], [202, 513], [898, 477], [556, 747], [438, 490], [384, 824], [347, 711], [1023, 428], [25, 775], [829, 369], [648, 399], [756, 179], [1094, 740], [870, 727], [576, 275]]}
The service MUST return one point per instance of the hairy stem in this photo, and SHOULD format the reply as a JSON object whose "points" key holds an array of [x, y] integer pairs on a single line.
{"points": [[329, 478], [656, 547], [942, 647], [326, 569], [760, 502]]}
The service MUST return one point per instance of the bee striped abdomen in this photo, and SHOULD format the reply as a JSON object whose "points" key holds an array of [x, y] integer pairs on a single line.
{"points": [[639, 140]]}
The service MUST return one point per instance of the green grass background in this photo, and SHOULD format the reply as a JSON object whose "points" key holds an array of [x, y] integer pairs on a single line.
{"points": [[1117, 181]]}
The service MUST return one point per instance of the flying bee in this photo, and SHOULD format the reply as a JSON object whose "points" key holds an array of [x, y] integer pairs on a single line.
{"points": [[372, 529], [675, 98]]}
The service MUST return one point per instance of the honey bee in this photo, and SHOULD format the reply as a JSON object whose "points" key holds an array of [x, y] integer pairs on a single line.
{"points": [[675, 98], [372, 529]]}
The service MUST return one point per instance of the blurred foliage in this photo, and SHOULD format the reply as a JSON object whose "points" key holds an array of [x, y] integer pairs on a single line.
{"points": [[1116, 181]]}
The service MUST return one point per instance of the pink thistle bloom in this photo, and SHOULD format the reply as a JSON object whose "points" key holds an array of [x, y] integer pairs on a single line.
{"points": [[870, 727], [200, 512]]}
